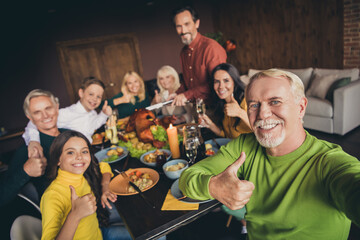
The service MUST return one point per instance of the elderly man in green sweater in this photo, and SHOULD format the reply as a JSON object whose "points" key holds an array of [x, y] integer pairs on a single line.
{"points": [[294, 185]]}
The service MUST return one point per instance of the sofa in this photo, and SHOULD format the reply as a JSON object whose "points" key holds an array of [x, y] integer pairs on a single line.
{"points": [[333, 98]]}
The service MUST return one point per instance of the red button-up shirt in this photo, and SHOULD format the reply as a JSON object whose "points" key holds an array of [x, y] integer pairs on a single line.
{"points": [[198, 60]]}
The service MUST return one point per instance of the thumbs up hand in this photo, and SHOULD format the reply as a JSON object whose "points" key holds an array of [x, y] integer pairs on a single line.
{"points": [[228, 189], [106, 108], [232, 108], [82, 206], [157, 97]]}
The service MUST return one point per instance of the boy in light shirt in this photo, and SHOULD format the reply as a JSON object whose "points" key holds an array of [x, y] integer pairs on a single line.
{"points": [[80, 116]]}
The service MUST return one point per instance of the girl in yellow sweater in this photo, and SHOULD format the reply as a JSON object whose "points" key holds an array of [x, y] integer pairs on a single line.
{"points": [[73, 206]]}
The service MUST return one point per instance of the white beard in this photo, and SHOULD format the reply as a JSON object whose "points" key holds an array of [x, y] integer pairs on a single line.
{"points": [[268, 140]]}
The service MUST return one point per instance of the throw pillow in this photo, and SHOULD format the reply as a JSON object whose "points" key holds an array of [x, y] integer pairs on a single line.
{"points": [[337, 84], [320, 85]]}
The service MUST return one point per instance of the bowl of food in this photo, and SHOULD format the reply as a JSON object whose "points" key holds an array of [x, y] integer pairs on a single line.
{"points": [[149, 158], [174, 168]]}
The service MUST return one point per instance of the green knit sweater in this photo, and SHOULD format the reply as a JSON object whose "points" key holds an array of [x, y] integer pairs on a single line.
{"points": [[310, 193]]}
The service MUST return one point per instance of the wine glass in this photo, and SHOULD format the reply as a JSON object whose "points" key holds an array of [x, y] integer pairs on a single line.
{"points": [[200, 108], [191, 146], [191, 141]]}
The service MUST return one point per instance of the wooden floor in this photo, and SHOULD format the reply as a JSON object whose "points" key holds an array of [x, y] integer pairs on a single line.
{"points": [[213, 225]]}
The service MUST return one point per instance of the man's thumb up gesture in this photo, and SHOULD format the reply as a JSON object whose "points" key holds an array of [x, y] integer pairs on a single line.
{"points": [[228, 189], [82, 206]]}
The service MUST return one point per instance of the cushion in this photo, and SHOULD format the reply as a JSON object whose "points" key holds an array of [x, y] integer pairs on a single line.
{"points": [[320, 86], [337, 84], [245, 79], [353, 73], [252, 72], [319, 107], [303, 73]]}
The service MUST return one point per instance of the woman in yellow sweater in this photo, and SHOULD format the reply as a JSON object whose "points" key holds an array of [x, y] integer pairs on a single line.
{"points": [[73, 206], [230, 117]]}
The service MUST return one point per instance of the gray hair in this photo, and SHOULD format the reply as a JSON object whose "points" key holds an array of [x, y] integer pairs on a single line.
{"points": [[171, 71], [37, 93], [297, 86]]}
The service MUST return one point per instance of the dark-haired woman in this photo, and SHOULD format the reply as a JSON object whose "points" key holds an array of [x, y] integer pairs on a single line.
{"points": [[230, 111], [73, 206], [230, 117]]}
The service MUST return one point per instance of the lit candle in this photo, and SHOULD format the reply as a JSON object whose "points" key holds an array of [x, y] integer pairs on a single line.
{"points": [[173, 141]]}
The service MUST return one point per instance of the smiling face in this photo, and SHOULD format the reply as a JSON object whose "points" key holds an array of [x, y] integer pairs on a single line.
{"points": [[133, 84], [43, 113], [186, 27], [167, 81], [75, 157], [91, 97], [223, 85], [274, 114]]}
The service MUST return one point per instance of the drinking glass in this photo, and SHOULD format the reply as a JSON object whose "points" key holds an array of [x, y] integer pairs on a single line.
{"points": [[191, 146], [191, 141], [200, 108]]}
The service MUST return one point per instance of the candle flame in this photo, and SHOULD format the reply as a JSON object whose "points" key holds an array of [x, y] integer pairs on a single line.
{"points": [[170, 126]]}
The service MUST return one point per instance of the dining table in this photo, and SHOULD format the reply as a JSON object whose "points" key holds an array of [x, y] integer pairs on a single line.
{"points": [[145, 222]]}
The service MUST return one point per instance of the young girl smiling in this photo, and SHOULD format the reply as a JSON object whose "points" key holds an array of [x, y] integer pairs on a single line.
{"points": [[73, 206]]}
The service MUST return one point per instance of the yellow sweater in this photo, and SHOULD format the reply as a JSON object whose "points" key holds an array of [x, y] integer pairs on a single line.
{"points": [[55, 205], [228, 129]]}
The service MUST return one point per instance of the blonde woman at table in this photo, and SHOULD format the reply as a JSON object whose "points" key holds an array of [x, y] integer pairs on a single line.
{"points": [[230, 109], [168, 83], [132, 96], [73, 206], [230, 117]]}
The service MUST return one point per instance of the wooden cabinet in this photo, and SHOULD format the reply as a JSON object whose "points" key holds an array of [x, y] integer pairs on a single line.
{"points": [[107, 58]]}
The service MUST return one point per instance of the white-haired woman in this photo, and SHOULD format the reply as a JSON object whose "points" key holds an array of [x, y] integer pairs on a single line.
{"points": [[168, 82]]}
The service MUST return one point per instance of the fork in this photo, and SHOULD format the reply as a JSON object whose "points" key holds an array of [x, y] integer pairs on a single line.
{"points": [[125, 176]]}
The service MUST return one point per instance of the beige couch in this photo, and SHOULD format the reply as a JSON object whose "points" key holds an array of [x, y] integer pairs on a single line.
{"points": [[332, 113]]}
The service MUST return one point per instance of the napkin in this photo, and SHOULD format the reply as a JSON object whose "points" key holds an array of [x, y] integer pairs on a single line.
{"points": [[171, 203]]}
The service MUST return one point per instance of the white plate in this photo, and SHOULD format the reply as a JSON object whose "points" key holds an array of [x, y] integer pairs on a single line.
{"points": [[154, 163], [101, 155], [175, 191]]}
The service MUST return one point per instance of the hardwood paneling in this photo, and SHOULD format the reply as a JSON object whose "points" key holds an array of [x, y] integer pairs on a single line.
{"points": [[107, 58], [282, 33]]}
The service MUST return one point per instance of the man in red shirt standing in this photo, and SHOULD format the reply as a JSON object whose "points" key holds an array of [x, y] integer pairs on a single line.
{"points": [[199, 57]]}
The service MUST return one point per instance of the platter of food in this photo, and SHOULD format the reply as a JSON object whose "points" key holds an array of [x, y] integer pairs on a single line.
{"points": [[176, 192], [211, 147], [111, 154], [149, 158], [98, 138], [144, 178]]}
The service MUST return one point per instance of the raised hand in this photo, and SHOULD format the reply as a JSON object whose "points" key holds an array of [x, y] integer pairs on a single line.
{"points": [[205, 121], [126, 97], [36, 164], [35, 146], [157, 97], [232, 108], [106, 108], [228, 189], [82, 206]]}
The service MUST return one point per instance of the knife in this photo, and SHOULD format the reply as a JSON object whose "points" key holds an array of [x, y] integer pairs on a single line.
{"points": [[141, 194], [217, 144], [158, 105]]}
